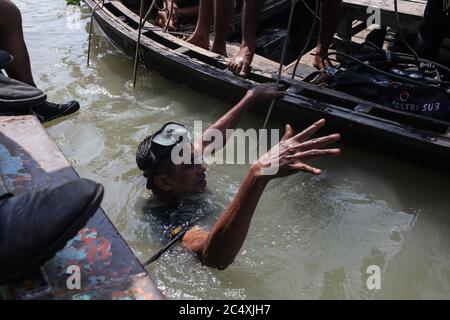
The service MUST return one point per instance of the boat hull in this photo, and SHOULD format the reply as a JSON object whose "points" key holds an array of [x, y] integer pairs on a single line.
{"points": [[178, 64]]}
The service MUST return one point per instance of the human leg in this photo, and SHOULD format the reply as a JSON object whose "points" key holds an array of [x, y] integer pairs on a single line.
{"points": [[223, 11], [329, 12], [12, 41], [240, 63], [200, 37]]}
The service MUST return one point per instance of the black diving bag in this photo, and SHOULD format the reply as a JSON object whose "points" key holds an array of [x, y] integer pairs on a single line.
{"points": [[426, 100]]}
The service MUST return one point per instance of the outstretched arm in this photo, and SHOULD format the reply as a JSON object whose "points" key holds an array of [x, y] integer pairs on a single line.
{"points": [[219, 247], [229, 120]]}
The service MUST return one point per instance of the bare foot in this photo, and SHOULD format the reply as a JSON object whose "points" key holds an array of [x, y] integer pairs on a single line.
{"points": [[222, 50], [199, 41], [240, 63], [319, 63]]}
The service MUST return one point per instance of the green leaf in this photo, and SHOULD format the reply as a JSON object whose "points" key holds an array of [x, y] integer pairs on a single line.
{"points": [[73, 2]]}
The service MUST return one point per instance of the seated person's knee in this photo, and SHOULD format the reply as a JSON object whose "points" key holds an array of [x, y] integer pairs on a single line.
{"points": [[9, 14]]}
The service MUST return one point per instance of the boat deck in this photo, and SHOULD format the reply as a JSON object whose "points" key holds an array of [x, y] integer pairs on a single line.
{"points": [[30, 160], [356, 14], [410, 12], [352, 29], [205, 71]]}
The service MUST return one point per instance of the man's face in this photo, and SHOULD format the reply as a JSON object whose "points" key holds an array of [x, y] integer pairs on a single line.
{"points": [[188, 178]]}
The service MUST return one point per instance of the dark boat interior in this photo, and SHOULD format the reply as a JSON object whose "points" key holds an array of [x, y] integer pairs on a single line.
{"points": [[165, 51]]}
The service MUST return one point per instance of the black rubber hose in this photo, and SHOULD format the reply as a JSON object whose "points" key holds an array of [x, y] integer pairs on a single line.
{"points": [[308, 40], [387, 73], [402, 58], [170, 14], [402, 36]]}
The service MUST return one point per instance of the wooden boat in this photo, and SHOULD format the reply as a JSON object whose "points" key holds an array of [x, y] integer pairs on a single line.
{"points": [[203, 70], [108, 269]]}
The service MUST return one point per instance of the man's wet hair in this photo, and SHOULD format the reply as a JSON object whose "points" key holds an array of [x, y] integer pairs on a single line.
{"points": [[152, 162]]}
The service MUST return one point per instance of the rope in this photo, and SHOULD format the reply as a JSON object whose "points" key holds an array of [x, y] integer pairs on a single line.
{"points": [[313, 12], [397, 18], [308, 40], [90, 27], [170, 15], [138, 43], [283, 54]]}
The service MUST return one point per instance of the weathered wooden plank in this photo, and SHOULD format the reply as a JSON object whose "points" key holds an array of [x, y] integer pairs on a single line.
{"points": [[259, 62], [302, 101], [409, 7], [30, 160], [410, 12], [304, 68]]}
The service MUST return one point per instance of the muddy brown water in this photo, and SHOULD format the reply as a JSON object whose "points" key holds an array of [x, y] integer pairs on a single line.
{"points": [[311, 237]]}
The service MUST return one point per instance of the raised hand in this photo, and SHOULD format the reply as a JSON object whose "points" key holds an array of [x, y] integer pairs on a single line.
{"points": [[292, 152]]}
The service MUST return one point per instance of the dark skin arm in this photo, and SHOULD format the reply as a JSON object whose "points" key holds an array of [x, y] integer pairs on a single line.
{"points": [[229, 120], [219, 247]]}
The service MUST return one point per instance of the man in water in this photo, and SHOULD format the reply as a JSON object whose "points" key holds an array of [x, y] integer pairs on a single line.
{"points": [[170, 181], [222, 10], [12, 42]]}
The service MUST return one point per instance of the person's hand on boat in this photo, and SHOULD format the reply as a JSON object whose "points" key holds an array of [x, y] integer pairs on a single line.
{"points": [[265, 92], [293, 152]]}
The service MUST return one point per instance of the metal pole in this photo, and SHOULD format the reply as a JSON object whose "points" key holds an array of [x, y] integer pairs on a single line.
{"points": [[90, 29], [283, 54], [136, 56], [163, 250]]}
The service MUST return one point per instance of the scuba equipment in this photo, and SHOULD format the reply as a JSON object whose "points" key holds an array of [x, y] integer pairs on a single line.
{"points": [[399, 81], [177, 235], [394, 80], [170, 134]]}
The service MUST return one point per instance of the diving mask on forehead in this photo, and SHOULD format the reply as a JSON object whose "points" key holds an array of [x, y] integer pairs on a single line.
{"points": [[171, 134]]}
